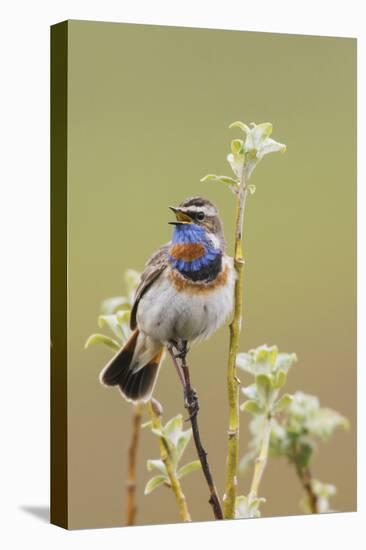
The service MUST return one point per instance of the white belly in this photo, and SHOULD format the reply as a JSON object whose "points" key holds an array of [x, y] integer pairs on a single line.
{"points": [[165, 313]]}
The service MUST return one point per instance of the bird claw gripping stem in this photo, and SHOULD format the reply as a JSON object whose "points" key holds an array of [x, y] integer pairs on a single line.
{"points": [[191, 404], [181, 347]]}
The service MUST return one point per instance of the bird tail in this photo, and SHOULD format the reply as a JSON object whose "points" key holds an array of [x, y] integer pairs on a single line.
{"points": [[135, 367]]}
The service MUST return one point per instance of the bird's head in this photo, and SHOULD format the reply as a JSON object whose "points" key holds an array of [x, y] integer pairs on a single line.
{"points": [[199, 214]]}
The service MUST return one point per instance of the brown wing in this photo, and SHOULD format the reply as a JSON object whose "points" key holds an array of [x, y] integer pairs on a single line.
{"points": [[153, 268]]}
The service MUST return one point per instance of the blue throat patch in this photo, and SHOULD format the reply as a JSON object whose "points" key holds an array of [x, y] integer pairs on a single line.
{"points": [[194, 234]]}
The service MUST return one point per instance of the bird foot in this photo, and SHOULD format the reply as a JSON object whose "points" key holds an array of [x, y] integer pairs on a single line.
{"points": [[181, 354], [179, 348], [191, 404]]}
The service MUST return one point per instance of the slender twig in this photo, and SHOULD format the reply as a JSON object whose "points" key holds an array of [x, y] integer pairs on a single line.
{"points": [[132, 455], [155, 409], [305, 477], [261, 460], [192, 406], [232, 379]]}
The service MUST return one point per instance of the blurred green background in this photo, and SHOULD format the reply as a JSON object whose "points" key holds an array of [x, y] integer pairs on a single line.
{"points": [[149, 109]]}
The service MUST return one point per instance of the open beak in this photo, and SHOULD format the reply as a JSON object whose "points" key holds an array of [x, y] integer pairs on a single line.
{"points": [[181, 216]]}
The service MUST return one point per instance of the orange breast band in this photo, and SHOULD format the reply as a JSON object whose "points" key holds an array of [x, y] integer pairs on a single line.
{"points": [[187, 251], [182, 284]]}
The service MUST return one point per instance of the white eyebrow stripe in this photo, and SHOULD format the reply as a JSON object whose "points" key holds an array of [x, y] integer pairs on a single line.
{"points": [[208, 210]]}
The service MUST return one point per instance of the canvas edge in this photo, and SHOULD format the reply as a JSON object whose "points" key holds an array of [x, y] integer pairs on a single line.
{"points": [[58, 405]]}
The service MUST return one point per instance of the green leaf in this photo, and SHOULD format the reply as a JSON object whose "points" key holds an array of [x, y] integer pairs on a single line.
{"points": [[284, 402], [158, 464], [241, 507], [237, 163], [111, 305], [304, 406], [279, 379], [182, 443], [324, 422], [112, 323], [237, 148], [188, 468], [257, 145], [260, 360], [264, 388], [254, 509], [123, 318], [155, 482], [245, 510], [220, 179], [209, 177], [240, 125], [246, 362], [250, 391], [266, 354], [102, 339], [173, 429], [285, 361], [123, 315], [323, 489], [266, 128], [251, 407], [227, 180]]}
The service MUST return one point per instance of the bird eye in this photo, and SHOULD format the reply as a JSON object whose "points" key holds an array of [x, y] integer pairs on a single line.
{"points": [[200, 216]]}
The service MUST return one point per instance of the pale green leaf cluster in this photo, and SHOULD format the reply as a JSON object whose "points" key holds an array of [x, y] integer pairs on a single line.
{"points": [[301, 424], [219, 179], [297, 422], [176, 440], [269, 368], [295, 430], [246, 153], [116, 312], [305, 414], [245, 508], [323, 492], [102, 339]]}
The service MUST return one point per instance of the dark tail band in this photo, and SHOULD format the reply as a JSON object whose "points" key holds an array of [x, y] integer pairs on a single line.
{"points": [[134, 385]]}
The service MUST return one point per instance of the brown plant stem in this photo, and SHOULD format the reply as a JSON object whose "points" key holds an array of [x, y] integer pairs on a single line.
{"points": [[305, 477], [233, 382], [155, 411], [192, 406], [132, 455]]}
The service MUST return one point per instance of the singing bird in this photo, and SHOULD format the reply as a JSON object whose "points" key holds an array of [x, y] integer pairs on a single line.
{"points": [[185, 294]]}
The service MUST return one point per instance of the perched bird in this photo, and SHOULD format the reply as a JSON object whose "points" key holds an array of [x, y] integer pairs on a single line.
{"points": [[184, 295]]}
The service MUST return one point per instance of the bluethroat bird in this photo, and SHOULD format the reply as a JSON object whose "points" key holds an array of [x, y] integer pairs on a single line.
{"points": [[185, 294]]}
